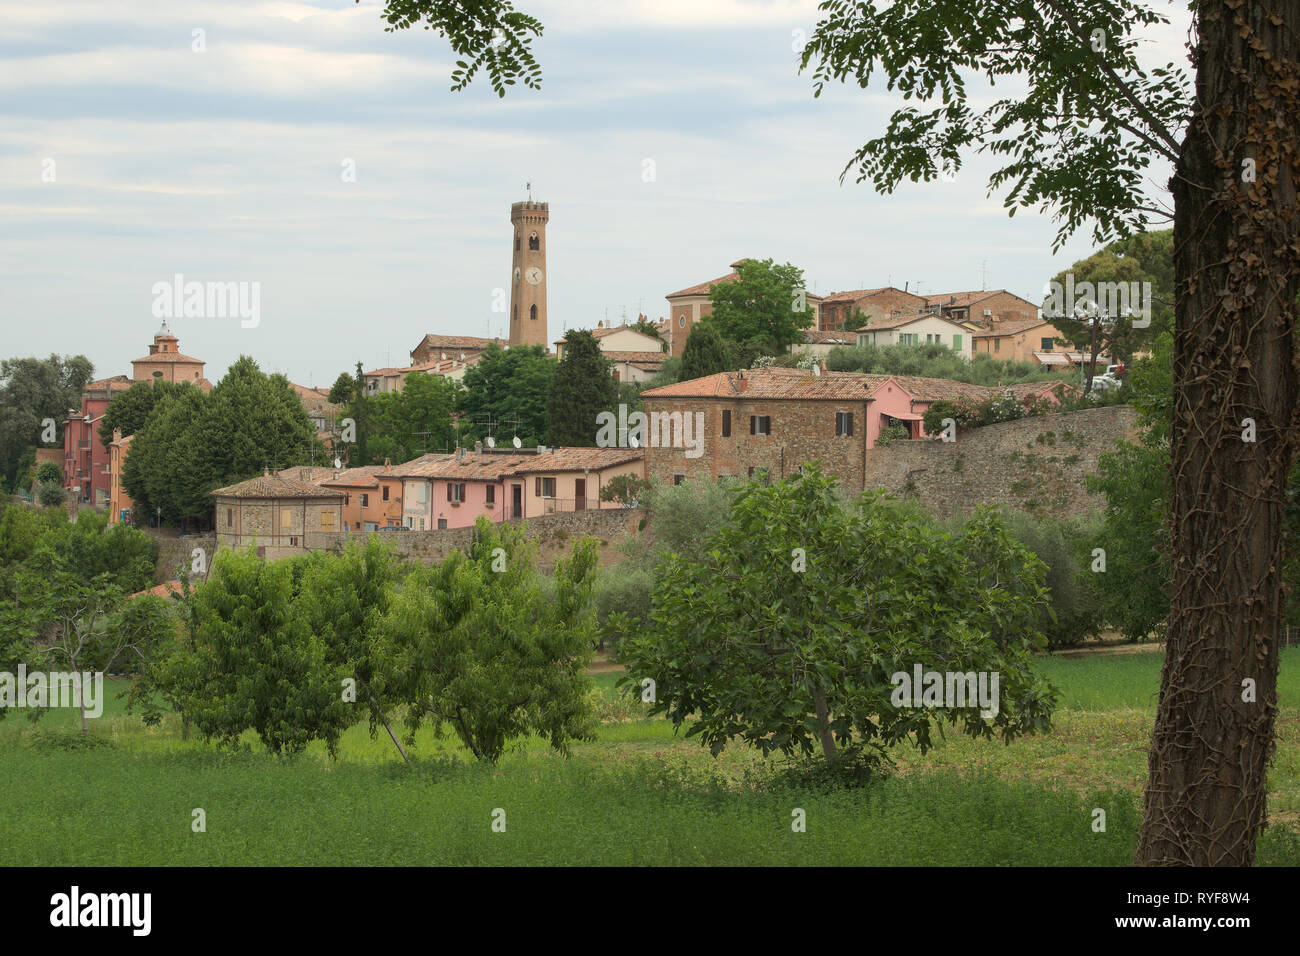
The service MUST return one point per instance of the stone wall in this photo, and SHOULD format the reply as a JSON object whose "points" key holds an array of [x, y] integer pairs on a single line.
{"points": [[173, 552], [1037, 463], [554, 534]]}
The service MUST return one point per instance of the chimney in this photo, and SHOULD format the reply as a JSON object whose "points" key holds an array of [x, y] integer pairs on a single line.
{"points": [[460, 454], [822, 363], [117, 434], [478, 448], [388, 465]]}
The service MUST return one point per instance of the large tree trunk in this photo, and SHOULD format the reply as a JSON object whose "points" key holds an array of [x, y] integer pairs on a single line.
{"points": [[1235, 257]]}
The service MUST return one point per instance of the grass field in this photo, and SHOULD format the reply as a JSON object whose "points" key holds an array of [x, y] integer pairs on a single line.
{"points": [[638, 795]]}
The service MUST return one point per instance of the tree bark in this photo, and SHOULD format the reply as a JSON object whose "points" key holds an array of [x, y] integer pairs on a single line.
{"points": [[1236, 255], [824, 731]]}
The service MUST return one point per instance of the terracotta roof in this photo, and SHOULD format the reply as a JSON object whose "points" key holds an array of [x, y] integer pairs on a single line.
{"points": [[704, 287], [275, 486], [603, 331], [364, 476], [315, 398], [773, 383], [942, 389], [169, 358], [830, 337], [963, 299], [456, 342], [1012, 327], [475, 466], [645, 358], [166, 589], [116, 383], [579, 459], [312, 474], [898, 321]]}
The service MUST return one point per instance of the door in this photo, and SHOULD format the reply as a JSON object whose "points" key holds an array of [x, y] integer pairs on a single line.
{"points": [[580, 494], [516, 501]]}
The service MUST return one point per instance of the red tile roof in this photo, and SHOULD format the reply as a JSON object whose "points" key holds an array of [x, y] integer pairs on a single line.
{"points": [[898, 321], [579, 459], [169, 358], [1013, 327], [275, 486]]}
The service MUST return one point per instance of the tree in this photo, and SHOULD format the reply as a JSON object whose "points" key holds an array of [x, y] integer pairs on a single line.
{"points": [[705, 353], [857, 595], [766, 308], [129, 410], [491, 35], [343, 389], [506, 385], [477, 644], [625, 489], [646, 327], [403, 425], [32, 390], [50, 473], [50, 494], [1078, 140], [583, 388]]}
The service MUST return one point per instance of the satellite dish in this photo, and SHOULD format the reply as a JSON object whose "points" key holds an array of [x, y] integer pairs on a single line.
{"points": [[491, 442], [337, 462], [816, 370], [633, 442], [518, 443]]}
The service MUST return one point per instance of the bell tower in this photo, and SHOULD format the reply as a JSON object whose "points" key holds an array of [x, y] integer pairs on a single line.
{"points": [[528, 274]]}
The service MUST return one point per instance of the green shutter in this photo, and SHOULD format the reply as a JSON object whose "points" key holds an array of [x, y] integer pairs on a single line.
{"points": [[956, 343]]}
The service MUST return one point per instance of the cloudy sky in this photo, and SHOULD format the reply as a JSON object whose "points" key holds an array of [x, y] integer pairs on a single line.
{"points": [[127, 157]]}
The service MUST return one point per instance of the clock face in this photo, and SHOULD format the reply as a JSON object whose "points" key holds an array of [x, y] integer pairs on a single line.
{"points": [[533, 275]]}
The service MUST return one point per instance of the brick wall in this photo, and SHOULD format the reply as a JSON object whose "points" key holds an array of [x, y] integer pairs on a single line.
{"points": [[1037, 463]]}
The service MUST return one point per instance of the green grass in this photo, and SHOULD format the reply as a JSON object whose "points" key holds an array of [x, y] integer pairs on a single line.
{"points": [[640, 794]]}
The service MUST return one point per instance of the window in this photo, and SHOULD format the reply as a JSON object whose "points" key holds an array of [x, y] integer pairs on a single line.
{"points": [[678, 479], [230, 517], [681, 324], [760, 424], [327, 521], [931, 337], [442, 524], [909, 338], [286, 517], [843, 423], [997, 345], [532, 312], [726, 423], [534, 243], [516, 242], [956, 343], [385, 492], [544, 487], [490, 494], [1045, 344], [456, 491], [293, 542]]}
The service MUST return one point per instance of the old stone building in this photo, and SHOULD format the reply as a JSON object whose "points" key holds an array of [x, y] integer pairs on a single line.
{"points": [[528, 274], [280, 516], [852, 310], [983, 308], [773, 420]]}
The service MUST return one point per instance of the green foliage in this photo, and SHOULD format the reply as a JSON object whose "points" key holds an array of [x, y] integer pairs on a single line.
{"points": [[1077, 134], [625, 489], [1074, 611], [623, 601], [478, 644], [504, 385], [705, 353], [759, 311], [129, 410], [933, 360], [32, 390], [50, 495], [786, 658], [583, 388], [49, 473], [646, 327], [406, 424], [343, 389], [252, 660], [893, 433], [193, 443], [491, 35], [670, 373]]}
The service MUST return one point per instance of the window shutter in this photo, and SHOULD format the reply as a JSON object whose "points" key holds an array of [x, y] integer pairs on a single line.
{"points": [[849, 417], [753, 424], [537, 487]]}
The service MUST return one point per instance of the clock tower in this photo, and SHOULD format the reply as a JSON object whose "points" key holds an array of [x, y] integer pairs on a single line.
{"points": [[528, 274]]}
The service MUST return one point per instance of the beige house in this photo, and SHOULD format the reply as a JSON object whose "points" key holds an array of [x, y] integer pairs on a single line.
{"points": [[1019, 339], [636, 357], [280, 516], [820, 343], [919, 329]]}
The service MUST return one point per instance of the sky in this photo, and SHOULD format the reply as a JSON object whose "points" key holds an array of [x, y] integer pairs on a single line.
{"points": [[306, 150]]}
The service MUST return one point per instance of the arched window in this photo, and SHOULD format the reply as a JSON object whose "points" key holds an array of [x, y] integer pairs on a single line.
{"points": [[534, 243], [532, 312], [681, 321]]}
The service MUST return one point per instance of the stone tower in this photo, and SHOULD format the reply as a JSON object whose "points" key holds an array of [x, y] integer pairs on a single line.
{"points": [[528, 274]]}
